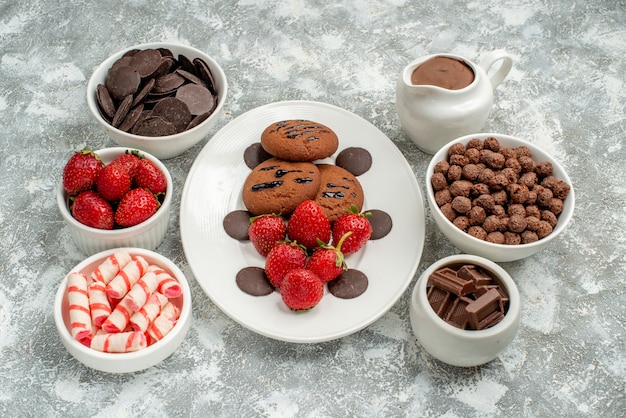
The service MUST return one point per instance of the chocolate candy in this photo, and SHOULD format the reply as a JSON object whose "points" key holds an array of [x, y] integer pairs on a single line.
{"points": [[151, 93], [350, 284], [447, 279], [467, 297], [236, 224], [254, 281]]}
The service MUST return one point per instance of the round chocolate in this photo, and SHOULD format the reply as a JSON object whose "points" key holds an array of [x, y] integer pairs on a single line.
{"points": [[168, 83], [174, 111], [254, 281], [350, 284], [146, 62], [236, 224], [255, 154], [202, 68], [104, 101], [186, 64], [122, 111], [132, 118], [139, 97], [381, 223], [354, 159], [198, 99], [191, 77], [122, 81], [198, 120], [154, 126]]}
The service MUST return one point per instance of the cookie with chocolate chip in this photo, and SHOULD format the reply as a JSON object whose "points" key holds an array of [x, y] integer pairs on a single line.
{"points": [[299, 140], [339, 190], [278, 186]]}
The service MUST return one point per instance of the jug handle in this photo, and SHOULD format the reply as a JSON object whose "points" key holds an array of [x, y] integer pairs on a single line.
{"points": [[487, 61]]}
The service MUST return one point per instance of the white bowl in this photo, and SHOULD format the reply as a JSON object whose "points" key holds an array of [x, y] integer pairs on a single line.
{"points": [[498, 252], [148, 234], [133, 361], [455, 346], [164, 146]]}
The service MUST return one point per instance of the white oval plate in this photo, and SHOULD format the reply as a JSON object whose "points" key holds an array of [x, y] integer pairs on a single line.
{"points": [[213, 189]]}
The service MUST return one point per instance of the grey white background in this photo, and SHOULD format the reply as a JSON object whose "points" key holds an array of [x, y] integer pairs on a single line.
{"points": [[566, 93]]}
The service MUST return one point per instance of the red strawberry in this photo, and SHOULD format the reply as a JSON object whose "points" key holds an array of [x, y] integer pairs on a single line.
{"points": [[90, 209], [113, 182], [307, 224], [149, 176], [301, 289], [81, 172], [265, 231], [135, 207], [327, 261], [129, 160], [358, 224], [282, 258]]}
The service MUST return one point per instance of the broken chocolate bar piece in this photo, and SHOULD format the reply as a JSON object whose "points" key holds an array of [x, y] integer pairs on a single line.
{"points": [[484, 310], [457, 315], [474, 273], [481, 290], [439, 300], [447, 279]]}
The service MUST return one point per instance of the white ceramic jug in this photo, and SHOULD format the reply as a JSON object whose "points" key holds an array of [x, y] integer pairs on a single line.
{"points": [[432, 116]]}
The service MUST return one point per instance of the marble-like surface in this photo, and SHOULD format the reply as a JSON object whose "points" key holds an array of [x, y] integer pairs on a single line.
{"points": [[566, 93]]}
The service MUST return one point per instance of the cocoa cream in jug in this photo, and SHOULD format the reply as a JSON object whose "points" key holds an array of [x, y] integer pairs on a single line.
{"points": [[444, 72]]}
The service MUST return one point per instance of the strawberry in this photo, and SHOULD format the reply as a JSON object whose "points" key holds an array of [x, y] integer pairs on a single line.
{"points": [[81, 171], [150, 177], [301, 289], [307, 224], [265, 231], [113, 182], [358, 224], [282, 258], [90, 209], [135, 207], [327, 261], [129, 160]]}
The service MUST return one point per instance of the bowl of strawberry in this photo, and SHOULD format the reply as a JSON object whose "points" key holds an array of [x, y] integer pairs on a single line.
{"points": [[115, 197]]}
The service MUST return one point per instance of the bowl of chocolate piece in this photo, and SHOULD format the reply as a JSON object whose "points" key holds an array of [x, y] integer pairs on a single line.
{"points": [[498, 196], [162, 98], [465, 310]]}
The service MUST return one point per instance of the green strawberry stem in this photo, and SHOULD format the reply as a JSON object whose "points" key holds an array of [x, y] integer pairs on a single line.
{"points": [[355, 210], [254, 218], [339, 261]]}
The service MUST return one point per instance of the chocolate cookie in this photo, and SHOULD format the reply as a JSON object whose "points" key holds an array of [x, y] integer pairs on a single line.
{"points": [[278, 186], [339, 190], [299, 140]]}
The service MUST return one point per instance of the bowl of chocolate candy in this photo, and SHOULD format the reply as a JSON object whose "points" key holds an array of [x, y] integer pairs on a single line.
{"points": [[498, 196], [162, 98], [123, 310], [465, 310]]}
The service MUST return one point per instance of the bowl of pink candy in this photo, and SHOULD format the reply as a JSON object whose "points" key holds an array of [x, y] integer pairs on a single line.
{"points": [[123, 310]]}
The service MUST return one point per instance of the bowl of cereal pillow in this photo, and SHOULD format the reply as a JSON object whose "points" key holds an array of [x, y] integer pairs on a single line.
{"points": [[498, 196], [123, 310], [160, 97]]}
